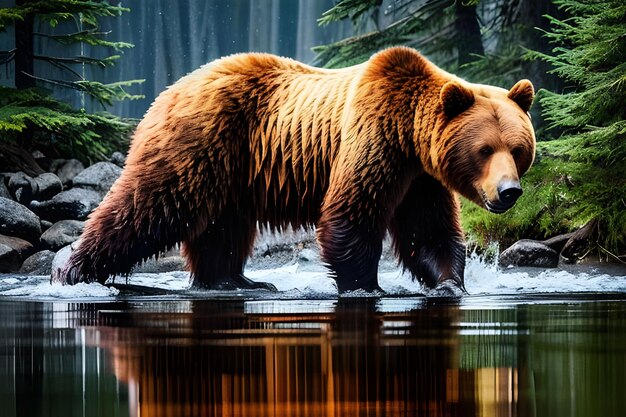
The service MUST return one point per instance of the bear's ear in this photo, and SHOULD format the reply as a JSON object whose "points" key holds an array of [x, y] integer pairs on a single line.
{"points": [[523, 94], [455, 98]]}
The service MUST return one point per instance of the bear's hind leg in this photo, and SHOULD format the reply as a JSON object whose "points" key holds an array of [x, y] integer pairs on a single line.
{"points": [[119, 234], [217, 256]]}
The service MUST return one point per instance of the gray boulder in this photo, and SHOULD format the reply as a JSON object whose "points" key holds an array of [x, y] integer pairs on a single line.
{"points": [[12, 251], [39, 263], [527, 252], [17, 220], [42, 187], [66, 170], [118, 159], [45, 225], [60, 259], [48, 185], [73, 204], [9, 259], [21, 186], [62, 233], [98, 177], [4, 191]]}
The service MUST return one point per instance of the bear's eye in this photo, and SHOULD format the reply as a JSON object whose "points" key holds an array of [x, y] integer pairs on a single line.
{"points": [[486, 151], [516, 152]]}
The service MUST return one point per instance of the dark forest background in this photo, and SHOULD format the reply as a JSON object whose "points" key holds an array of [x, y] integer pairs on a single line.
{"points": [[573, 51]]}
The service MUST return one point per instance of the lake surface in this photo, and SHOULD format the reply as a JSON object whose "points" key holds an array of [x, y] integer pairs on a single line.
{"points": [[484, 355]]}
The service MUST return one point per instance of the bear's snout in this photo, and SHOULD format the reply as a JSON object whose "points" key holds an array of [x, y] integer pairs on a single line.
{"points": [[508, 192]]}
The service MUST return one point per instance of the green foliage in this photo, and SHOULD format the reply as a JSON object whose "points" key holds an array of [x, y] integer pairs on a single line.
{"points": [[54, 11], [426, 25], [105, 94], [85, 14], [37, 119], [502, 66], [352, 9], [582, 175], [57, 127]]}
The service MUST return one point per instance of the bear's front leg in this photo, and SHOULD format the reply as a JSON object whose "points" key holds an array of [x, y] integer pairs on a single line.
{"points": [[427, 235], [367, 183], [351, 251]]}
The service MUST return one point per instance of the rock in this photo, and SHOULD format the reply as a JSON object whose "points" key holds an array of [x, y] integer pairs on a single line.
{"points": [[39, 263], [12, 251], [73, 204], [45, 225], [48, 185], [163, 264], [66, 170], [529, 253], [99, 177], [42, 160], [21, 186], [23, 196], [4, 191], [60, 259], [17, 220], [9, 259], [62, 233], [42, 187], [118, 159]]}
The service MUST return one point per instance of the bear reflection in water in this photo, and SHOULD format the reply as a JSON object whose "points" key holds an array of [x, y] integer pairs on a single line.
{"points": [[345, 360]]}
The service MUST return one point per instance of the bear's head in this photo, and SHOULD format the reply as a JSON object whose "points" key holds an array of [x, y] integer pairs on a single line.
{"points": [[485, 142]]}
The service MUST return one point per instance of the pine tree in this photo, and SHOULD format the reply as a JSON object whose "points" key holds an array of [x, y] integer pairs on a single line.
{"points": [[590, 54], [446, 29], [29, 115], [579, 178]]}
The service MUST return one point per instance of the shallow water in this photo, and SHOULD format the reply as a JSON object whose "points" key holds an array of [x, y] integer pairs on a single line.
{"points": [[524, 343], [561, 355]]}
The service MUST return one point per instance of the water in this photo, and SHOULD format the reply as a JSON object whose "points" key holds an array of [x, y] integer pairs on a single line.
{"points": [[525, 343]]}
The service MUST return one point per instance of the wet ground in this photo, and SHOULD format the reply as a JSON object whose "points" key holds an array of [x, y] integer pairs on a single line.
{"points": [[484, 355]]}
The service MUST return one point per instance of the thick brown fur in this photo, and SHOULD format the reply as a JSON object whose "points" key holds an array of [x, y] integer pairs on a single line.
{"points": [[254, 138]]}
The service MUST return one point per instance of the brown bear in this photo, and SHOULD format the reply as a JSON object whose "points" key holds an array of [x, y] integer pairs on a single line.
{"points": [[251, 139]]}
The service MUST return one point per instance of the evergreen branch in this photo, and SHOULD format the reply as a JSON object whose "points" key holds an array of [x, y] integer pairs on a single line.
{"points": [[347, 9], [66, 68], [358, 48], [54, 11], [90, 37], [105, 94], [103, 62], [59, 127], [9, 15], [7, 56]]}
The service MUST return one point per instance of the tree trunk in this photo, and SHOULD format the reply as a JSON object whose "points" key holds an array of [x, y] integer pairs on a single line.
{"points": [[532, 14], [469, 41], [24, 60]]}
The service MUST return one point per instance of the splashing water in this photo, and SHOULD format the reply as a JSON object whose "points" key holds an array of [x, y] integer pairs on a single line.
{"points": [[306, 280]]}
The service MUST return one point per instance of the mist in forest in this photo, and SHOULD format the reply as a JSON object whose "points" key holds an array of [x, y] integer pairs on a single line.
{"points": [[172, 38]]}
